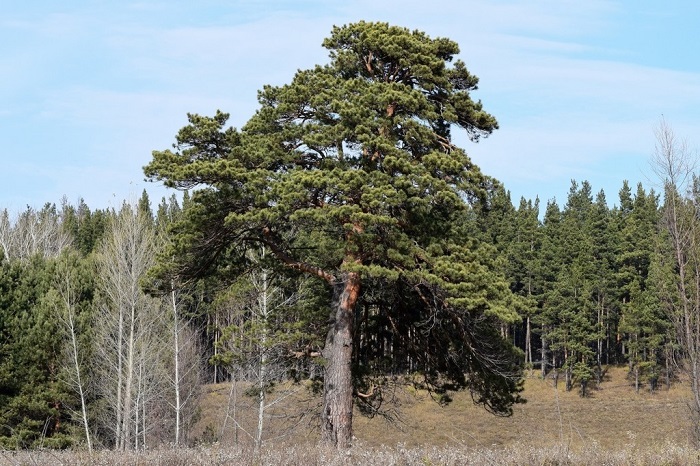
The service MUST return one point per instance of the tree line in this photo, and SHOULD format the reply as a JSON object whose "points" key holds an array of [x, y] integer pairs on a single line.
{"points": [[587, 279], [86, 352], [91, 356]]}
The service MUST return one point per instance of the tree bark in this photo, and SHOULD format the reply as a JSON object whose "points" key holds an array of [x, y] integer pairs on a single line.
{"points": [[336, 417]]}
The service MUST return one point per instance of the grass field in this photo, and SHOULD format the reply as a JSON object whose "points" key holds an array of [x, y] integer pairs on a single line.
{"points": [[613, 426], [610, 417]]}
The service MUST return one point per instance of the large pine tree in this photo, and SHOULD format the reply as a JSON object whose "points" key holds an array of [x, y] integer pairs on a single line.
{"points": [[349, 174]]}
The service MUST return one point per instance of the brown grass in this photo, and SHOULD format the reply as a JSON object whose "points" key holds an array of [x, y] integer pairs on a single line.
{"points": [[611, 416], [613, 426], [359, 455]]}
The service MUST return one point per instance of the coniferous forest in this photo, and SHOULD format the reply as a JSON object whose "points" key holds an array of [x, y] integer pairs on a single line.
{"points": [[89, 348], [341, 243]]}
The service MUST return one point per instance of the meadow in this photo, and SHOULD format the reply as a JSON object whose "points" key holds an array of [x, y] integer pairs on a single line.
{"points": [[613, 426]]}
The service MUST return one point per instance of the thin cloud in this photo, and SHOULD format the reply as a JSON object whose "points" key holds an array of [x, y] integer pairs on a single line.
{"points": [[99, 86]]}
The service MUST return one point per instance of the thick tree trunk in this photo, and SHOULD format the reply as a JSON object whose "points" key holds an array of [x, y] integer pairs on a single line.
{"points": [[336, 418]]}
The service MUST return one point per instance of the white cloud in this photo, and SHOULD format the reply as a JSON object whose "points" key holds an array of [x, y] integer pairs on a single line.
{"points": [[567, 104]]}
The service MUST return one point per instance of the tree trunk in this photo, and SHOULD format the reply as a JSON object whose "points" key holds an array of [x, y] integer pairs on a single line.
{"points": [[119, 381], [599, 355], [65, 285], [176, 361], [128, 384], [336, 417], [543, 363], [668, 362], [83, 404], [567, 371], [264, 315], [528, 345]]}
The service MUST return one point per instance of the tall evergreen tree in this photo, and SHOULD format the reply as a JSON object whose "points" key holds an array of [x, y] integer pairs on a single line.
{"points": [[349, 174], [551, 265], [31, 391], [644, 325], [569, 308], [604, 240], [84, 226], [526, 268]]}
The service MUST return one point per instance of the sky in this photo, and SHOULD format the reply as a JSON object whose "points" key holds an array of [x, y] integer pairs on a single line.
{"points": [[88, 89]]}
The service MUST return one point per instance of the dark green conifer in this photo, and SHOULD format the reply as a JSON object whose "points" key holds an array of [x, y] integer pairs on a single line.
{"points": [[349, 174]]}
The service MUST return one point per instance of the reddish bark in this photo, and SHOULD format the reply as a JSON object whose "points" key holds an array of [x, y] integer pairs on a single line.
{"points": [[336, 418]]}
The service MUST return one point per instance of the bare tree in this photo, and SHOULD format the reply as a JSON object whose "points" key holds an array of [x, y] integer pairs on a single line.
{"points": [[33, 232], [675, 164], [66, 299], [126, 323], [186, 373], [176, 362], [6, 238], [256, 343]]}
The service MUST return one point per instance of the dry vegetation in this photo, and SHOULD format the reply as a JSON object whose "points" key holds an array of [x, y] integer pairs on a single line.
{"points": [[300, 455], [614, 426]]}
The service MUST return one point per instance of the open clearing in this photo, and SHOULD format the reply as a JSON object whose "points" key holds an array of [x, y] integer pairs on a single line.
{"points": [[611, 417]]}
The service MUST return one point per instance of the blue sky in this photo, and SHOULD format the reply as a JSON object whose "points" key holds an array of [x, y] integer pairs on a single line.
{"points": [[90, 88]]}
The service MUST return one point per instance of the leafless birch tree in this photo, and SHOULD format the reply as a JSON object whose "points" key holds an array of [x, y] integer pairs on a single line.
{"points": [[66, 299], [256, 343], [185, 376], [126, 324], [675, 165], [32, 232]]}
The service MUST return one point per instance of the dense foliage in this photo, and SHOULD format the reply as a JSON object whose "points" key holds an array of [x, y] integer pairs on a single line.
{"points": [[588, 281]]}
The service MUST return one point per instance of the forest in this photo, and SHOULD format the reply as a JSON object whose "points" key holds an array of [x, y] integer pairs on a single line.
{"points": [[340, 242], [589, 284]]}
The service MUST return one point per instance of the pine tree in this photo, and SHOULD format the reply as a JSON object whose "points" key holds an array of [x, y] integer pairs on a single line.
{"points": [[569, 307], [604, 239], [31, 391], [551, 265], [645, 327], [526, 266], [349, 175]]}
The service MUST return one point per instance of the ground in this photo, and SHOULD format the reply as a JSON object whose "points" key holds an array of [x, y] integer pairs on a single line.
{"points": [[612, 416]]}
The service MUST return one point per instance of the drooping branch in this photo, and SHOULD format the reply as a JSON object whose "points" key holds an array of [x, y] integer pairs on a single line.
{"points": [[292, 263]]}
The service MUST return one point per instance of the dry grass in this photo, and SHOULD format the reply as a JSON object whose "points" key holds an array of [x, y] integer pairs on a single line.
{"points": [[303, 455], [614, 426], [612, 416]]}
